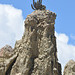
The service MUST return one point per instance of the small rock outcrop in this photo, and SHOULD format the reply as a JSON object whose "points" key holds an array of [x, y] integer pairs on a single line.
{"points": [[6, 59], [37, 51], [6, 51], [69, 68]]}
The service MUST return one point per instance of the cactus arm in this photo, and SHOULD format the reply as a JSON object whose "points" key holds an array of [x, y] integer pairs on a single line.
{"points": [[41, 1], [32, 7], [33, 2]]}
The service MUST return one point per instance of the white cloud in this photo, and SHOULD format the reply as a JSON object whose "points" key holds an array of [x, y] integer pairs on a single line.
{"points": [[11, 25], [66, 52]]}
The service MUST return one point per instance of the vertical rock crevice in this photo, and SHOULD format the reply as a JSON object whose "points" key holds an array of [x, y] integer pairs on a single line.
{"points": [[32, 66], [10, 67]]}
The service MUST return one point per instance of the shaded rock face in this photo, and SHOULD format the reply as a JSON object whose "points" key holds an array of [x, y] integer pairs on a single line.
{"points": [[37, 52], [69, 68]]}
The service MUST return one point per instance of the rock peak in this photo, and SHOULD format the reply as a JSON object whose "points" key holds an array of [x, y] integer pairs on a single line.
{"points": [[37, 48], [37, 51]]}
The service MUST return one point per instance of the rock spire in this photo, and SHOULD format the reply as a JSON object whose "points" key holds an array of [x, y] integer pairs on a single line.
{"points": [[37, 51]]}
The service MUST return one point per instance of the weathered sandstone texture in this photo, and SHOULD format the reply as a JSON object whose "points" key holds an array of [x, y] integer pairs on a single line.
{"points": [[37, 51], [6, 51], [6, 59], [69, 68]]}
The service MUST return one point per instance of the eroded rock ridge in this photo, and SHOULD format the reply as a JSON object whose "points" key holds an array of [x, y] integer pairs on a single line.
{"points": [[36, 52]]}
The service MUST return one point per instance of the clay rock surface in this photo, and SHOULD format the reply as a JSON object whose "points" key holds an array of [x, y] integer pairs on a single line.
{"points": [[69, 68], [37, 52]]}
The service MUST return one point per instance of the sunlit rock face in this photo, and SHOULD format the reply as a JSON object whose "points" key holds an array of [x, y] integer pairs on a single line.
{"points": [[37, 51], [69, 68]]}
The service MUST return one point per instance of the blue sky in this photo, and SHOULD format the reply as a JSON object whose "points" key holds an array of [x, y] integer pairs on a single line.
{"points": [[14, 12], [65, 10]]}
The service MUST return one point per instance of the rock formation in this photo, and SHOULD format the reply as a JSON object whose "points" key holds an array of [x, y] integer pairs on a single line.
{"points": [[36, 52], [6, 51], [69, 68], [6, 59]]}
